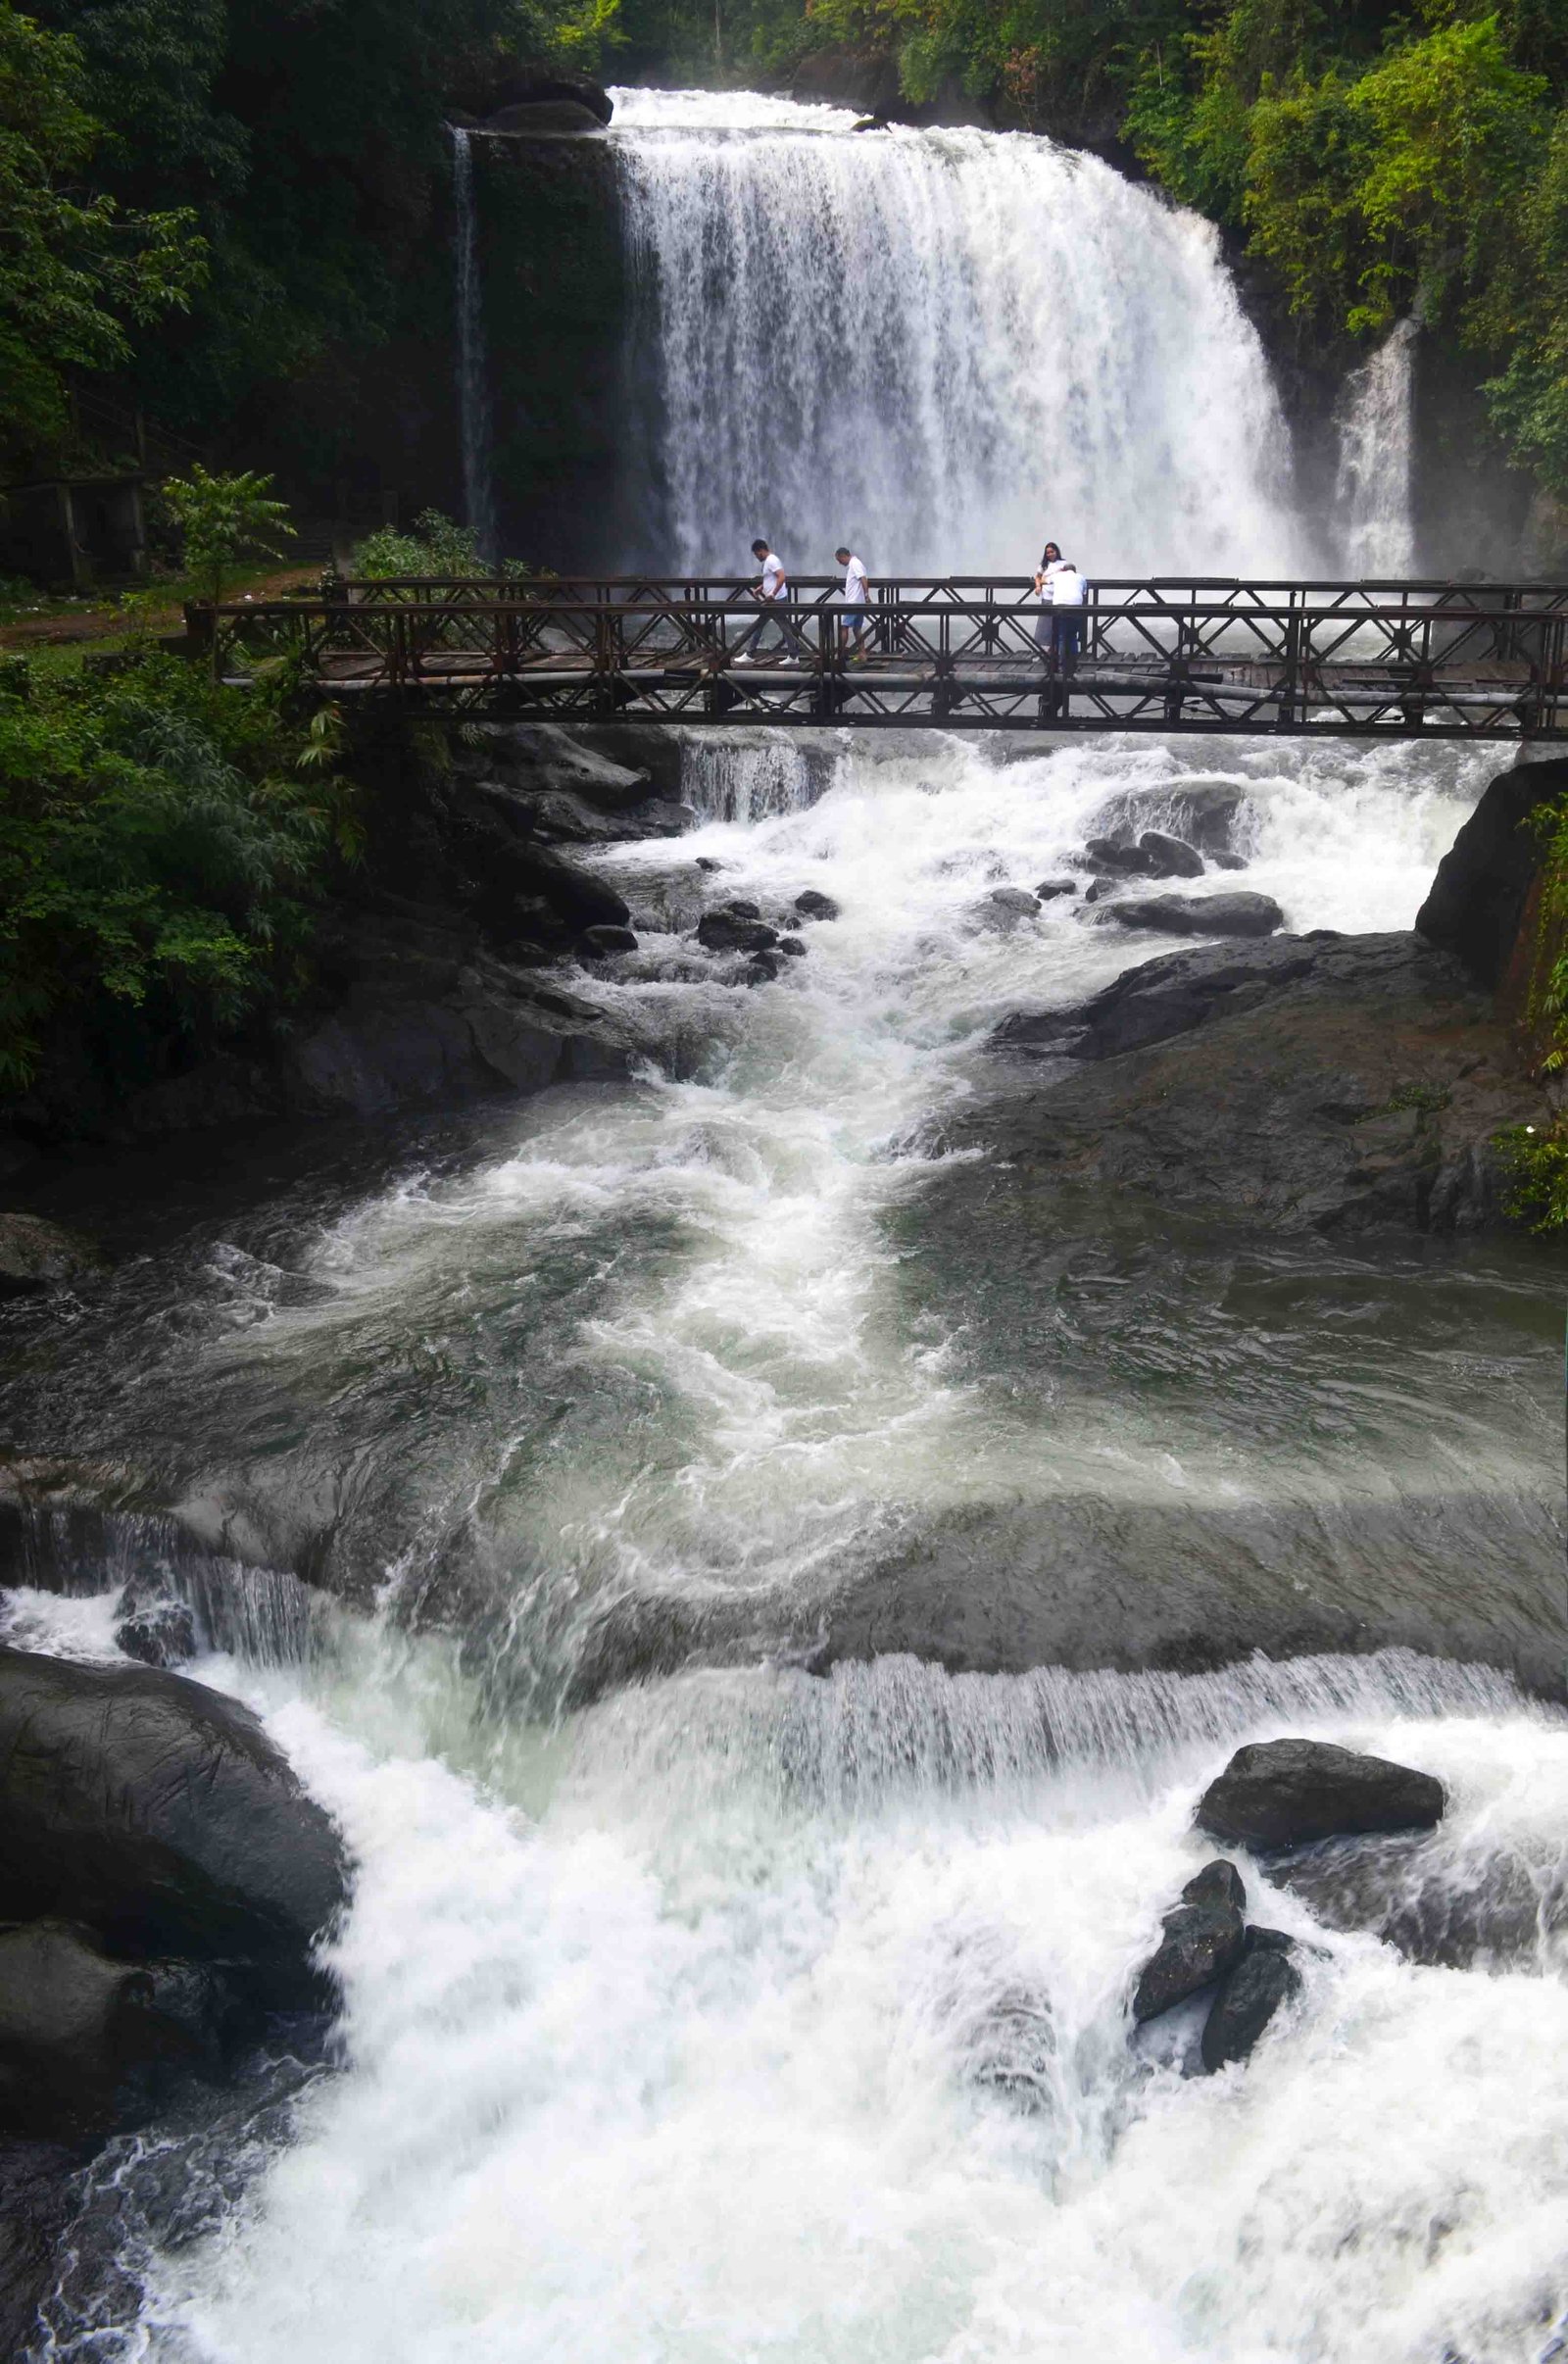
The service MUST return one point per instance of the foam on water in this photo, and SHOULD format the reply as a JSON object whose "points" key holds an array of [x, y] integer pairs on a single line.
{"points": [[638, 2074]]}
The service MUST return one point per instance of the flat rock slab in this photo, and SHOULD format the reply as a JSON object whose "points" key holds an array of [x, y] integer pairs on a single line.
{"points": [[1285, 1793]]}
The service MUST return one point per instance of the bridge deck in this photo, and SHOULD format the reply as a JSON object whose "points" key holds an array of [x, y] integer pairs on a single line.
{"points": [[1344, 659]]}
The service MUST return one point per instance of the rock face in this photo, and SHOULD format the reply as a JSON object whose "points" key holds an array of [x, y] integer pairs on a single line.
{"points": [[160, 1815], [1329, 1083], [78, 2029], [1262, 1980], [1201, 1941], [1200, 915], [1478, 898], [37, 1256], [1285, 1793]]}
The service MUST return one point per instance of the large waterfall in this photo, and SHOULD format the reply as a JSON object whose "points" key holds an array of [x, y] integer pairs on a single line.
{"points": [[939, 346]]}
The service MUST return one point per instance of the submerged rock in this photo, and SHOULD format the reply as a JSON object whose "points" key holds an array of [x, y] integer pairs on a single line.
{"points": [[734, 930], [811, 904], [1003, 909], [155, 1628], [600, 942], [1264, 1979], [1234, 915], [160, 1814], [1284, 1792], [1169, 857], [1051, 889]]}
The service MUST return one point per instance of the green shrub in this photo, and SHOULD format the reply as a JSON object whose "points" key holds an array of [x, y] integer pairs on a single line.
{"points": [[161, 839], [1535, 1159]]}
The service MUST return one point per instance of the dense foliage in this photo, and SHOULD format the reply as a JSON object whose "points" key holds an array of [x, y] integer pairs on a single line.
{"points": [[161, 839]]}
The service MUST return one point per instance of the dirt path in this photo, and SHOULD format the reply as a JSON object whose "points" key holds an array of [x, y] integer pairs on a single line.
{"points": [[102, 623]]}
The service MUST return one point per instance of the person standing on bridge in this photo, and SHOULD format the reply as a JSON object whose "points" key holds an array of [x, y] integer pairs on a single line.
{"points": [[775, 587], [854, 616], [1068, 593], [1051, 559]]}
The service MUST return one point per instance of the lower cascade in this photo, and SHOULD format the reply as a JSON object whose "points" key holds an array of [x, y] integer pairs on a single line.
{"points": [[747, 1906]]}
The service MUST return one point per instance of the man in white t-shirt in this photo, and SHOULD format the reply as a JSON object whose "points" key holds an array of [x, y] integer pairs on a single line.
{"points": [[1067, 593], [853, 619], [775, 587]]}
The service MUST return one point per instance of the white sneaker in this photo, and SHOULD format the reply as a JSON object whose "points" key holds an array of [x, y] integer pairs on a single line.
{"points": [[743, 661]]}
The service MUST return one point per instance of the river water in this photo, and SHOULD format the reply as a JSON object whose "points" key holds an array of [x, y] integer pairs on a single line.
{"points": [[774, 2006]]}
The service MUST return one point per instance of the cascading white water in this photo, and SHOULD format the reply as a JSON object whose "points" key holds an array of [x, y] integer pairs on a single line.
{"points": [[1377, 449], [473, 383], [940, 346]]}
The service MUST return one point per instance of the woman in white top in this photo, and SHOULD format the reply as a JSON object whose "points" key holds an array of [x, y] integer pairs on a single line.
{"points": [[1046, 593]]}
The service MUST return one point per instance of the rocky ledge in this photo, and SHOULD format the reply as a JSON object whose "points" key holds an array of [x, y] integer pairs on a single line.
{"points": [[1324, 1082]]}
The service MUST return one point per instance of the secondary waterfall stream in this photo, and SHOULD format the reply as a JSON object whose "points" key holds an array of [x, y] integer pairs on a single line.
{"points": [[754, 2013]]}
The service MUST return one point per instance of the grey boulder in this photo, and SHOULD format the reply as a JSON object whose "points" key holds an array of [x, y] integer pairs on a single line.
{"points": [[1262, 1980], [1231, 915], [1001, 910], [160, 1814], [813, 904], [1285, 1792], [735, 930], [1169, 857], [1051, 889], [1200, 1943]]}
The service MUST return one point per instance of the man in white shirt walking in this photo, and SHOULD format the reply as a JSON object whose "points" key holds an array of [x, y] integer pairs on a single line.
{"points": [[775, 587], [853, 617]]}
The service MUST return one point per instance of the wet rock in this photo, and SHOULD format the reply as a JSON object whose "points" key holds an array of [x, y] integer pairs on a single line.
{"points": [[546, 118], [162, 1816], [36, 2198], [601, 942], [813, 905], [1169, 857], [37, 1256], [764, 967], [1233, 914], [582, 898], [84, 2037], [709, 862], [1476, 905], [489, 84], [1262, 1980], [741, 908], [1118, 855], [730, 930], [1308, 1082], [1050, 890], [1450, 1909], [792, 948], [1101, 888], [1218, 1883], [156, 1629], [1201, 1942], [1003, 909], [1202, 813], [1284, 1792]]}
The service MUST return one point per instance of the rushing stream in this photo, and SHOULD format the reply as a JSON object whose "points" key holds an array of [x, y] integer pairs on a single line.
{"points": [[775, 2008]]}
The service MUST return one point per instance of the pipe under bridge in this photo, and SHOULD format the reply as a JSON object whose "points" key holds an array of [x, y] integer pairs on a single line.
{"points": [[1367, 660]]}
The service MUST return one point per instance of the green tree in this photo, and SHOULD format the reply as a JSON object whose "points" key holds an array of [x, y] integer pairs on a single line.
{"points": [[76, 271], [225, 519]]}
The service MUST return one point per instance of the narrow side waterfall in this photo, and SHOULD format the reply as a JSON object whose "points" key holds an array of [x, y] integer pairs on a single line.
{"points": [[939, 345], [474, 388], [1377, 446]]}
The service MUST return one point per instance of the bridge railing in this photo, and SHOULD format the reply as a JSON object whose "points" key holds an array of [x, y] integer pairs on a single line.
{"points": [[1461, 660]]}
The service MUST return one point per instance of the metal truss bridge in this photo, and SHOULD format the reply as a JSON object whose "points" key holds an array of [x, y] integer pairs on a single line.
{"points": [[1367, 661]]}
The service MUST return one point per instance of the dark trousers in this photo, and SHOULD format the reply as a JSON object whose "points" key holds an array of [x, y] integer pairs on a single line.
{"points": [[1067, 637]]}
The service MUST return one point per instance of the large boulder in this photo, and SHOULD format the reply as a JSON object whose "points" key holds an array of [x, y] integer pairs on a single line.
{"points": [[1169, 857], [1284, 1792], [1234, 915], [1264, 1979], [1477, 901], [160, 1815], [491, 84]]}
